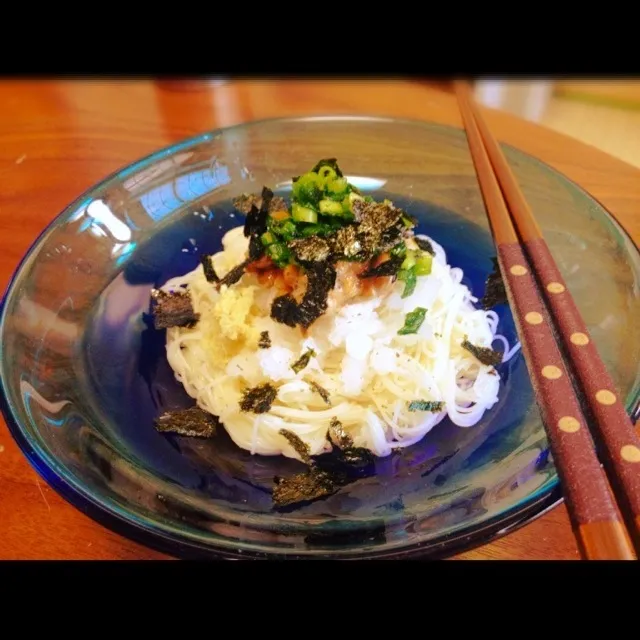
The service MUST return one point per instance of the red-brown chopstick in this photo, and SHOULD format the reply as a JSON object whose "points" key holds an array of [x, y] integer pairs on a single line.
{"points": [[618, 441], [597, 524]]}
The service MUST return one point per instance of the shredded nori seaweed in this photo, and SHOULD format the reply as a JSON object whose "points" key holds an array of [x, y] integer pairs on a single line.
{"points": [[265, 340], [312, 249], [299, 446], [258, 399], [256, 223], [495, 292], [338, 436], [246, 201], [321, 278], [348, 453], [380, 225], [346, 242], [235, 274], [425, 245], [209, 272], [172, 309], [485, 355], [305, 487], [285, 310], [193, 422], [426, 405], [303, 360], [387, 268], [321, 391]]}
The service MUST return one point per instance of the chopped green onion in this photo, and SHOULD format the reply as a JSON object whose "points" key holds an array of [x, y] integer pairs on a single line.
{"points": [[399, 251], [279, 253], [347, 203], [409, 261], [308, 189], [303, 214], [408, 222], [327, 174], [285, 229], [413, 321], [423, 264], [267, 238], [337, 189], [330, 207], [410, 280]]}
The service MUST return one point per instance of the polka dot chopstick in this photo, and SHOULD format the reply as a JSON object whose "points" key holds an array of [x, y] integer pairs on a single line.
{"points": [[603, 500]]}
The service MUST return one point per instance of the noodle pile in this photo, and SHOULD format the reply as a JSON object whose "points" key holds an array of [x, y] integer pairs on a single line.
{"points": [[371, 373]]}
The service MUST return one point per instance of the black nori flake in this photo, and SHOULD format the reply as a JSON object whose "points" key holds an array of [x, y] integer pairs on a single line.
{"points": [[299, 446], [348, 453], [346, 242], [380, 225], [305, 487], [256, 221], [209, 272], [172, 309], [265, 340], [321, 391], [235, 274], [495, 292], [357, 456], [193, 422], [425, 245], [321, 278], [256, 248], [426, 405], [387, 268], [258, 399], [338, 436], [485, 355], [303, 360], [246, 201], [312, 249], [285, 310]]}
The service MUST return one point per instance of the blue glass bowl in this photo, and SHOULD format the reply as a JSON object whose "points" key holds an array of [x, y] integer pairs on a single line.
{"points": [[83, 376]]}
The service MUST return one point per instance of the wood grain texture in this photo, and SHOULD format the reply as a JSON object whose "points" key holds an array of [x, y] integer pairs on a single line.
{"points": [[58, 138]]}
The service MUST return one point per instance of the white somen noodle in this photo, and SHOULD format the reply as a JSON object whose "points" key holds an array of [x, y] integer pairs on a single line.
{"points": [[370, 372]]}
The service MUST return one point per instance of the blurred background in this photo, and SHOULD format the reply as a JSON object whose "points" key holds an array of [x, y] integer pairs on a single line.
{"points": [[603, 113]]}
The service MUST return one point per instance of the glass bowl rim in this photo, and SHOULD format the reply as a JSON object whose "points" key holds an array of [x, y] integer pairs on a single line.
{"points": [[109, 515]]}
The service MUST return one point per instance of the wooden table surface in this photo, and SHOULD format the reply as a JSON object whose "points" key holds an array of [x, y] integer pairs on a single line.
{"points": [[57, 138]]}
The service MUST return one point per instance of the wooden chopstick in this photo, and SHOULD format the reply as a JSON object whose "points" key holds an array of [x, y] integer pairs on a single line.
{"points": [[599, 529], [615, 435]]}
